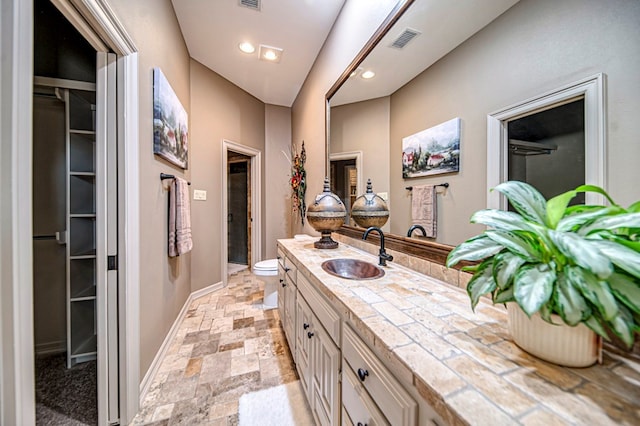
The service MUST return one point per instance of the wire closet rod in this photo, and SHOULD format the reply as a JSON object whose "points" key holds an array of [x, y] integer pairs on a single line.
{"points": [[164, 176], [446, 185]]}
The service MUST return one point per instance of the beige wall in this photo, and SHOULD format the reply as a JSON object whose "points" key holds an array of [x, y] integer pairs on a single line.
{"points": [[164, 284], [364, 126], [355, 25], [277, 199], [219, 110], [536, 46]]}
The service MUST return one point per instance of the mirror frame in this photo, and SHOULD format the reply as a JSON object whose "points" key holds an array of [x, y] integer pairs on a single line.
{"points": [[427, 250]]}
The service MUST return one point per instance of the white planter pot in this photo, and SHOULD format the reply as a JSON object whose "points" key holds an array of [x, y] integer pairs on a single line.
{"points": [[560, 344]]}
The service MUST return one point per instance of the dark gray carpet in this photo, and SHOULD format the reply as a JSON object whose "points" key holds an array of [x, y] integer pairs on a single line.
{"points": [[65, 396]]}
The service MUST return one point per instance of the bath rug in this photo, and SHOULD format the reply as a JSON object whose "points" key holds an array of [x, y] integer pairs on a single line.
{"points": [[283, 405]]}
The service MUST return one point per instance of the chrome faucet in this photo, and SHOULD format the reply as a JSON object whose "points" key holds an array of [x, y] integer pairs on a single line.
{"points": [[414, 227], [383, 256]]}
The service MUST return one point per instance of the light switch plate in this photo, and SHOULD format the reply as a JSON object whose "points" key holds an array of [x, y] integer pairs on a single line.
{"points": [[199, 194]]}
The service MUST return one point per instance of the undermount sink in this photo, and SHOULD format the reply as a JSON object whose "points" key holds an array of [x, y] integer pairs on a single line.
{"points": [[352, 269]]}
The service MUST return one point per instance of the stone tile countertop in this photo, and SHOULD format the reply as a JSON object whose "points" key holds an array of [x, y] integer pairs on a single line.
{"points": [[462, 363]]}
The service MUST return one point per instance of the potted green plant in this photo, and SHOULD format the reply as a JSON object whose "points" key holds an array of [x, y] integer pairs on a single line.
{"points": [[581, 263]]}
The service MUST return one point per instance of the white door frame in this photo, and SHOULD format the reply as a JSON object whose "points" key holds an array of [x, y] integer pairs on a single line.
{"points": [[256, 206], [593, 90], [16, 312]]}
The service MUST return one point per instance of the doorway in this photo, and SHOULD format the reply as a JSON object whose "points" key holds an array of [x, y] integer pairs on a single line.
{"points": [[238, 211], [577, 145], [344, 183], [253, 159], [547, 149], [74, 209]]}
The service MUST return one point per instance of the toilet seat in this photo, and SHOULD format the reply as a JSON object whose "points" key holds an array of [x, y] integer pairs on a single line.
{"points": [[266, 267]]}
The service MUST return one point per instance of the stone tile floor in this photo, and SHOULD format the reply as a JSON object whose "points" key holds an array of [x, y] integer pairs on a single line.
{"points": [[226, 346]]}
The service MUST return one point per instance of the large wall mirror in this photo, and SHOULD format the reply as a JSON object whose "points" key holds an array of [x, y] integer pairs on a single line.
{"points": [[361, 103]]}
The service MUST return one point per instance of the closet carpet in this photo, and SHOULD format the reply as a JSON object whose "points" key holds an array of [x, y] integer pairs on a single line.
{"points": [[65, 396]]}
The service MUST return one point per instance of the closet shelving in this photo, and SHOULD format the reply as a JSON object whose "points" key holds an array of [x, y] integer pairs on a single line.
{"points": [[81, 225]]}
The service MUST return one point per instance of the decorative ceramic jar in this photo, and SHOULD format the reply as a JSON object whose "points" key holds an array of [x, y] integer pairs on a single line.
{"points": [[560, 344], [370, 209], [326, 215]]}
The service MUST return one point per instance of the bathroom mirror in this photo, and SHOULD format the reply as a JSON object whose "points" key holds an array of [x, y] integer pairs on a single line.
{"points": [[416, 35]]}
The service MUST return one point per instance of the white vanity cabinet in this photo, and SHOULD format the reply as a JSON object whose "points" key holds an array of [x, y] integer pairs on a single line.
{"points": [[317, 353], [375, 392]]}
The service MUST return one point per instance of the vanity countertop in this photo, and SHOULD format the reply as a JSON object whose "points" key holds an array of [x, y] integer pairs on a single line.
{"points": [[462, 363]]}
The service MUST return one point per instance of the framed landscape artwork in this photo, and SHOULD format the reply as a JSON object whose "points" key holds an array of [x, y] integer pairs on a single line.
{"points": [[432, 151], [170, 123]]}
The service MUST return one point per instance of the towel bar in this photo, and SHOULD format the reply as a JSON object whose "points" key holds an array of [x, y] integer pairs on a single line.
{"points": [[446, 185], [164, 176]]}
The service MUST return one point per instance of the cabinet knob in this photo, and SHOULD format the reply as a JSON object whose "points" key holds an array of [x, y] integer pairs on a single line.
{"points": [[283, 283], [287, 269], [309, 334], [305, 325], [361, 424], [362, 373], [279, 257]]}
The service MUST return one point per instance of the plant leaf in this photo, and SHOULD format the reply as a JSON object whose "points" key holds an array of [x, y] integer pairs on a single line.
{"points": [[533, 286], [634, 208], [597, 292], [611, 223], [481, 283], [500, 219], [525, 199], [567, 223], [473, 249], [622, 326], [571, 305], [626, 289], [597, 190], [504, 296], [594, 324], [557, 206], [583, 252], [621, 256], [545, 313], [505, 266], [516, 243]]}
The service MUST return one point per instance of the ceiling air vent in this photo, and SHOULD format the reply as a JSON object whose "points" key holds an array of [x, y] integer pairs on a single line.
{"points": [[404, 38], [251, 4]]}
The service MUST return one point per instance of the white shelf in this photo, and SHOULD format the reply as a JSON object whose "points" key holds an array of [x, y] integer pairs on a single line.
{"points": [[81, 226]]}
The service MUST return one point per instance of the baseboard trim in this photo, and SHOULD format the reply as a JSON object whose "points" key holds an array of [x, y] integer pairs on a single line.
{"points": [[51, 348], [157, 360]]}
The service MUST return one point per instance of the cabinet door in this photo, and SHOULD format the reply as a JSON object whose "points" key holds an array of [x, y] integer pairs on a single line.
{"points": [[325, 362], [282, 295], [357, 406], [290, 312], [303, 336]]}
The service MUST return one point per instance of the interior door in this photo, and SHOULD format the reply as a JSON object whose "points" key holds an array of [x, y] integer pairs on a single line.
{"points": [[107, 241], [237, 212]]}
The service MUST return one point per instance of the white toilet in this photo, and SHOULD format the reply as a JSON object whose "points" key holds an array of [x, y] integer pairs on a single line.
{"points": [[267, 272]]}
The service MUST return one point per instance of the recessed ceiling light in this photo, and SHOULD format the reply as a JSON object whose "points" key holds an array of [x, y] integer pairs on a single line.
{"points": [[368, 74], [355, 72], [247, 47], [270, 54]]}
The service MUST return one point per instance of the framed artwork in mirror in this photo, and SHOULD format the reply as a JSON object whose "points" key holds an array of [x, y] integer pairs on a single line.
{"points": [[432, 151], [170, 123]]}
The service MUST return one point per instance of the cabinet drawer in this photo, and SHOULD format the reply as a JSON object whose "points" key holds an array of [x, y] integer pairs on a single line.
{"points": [[356, 403], [291, 271], [388, 394], [327, 316], [280, 257]]}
